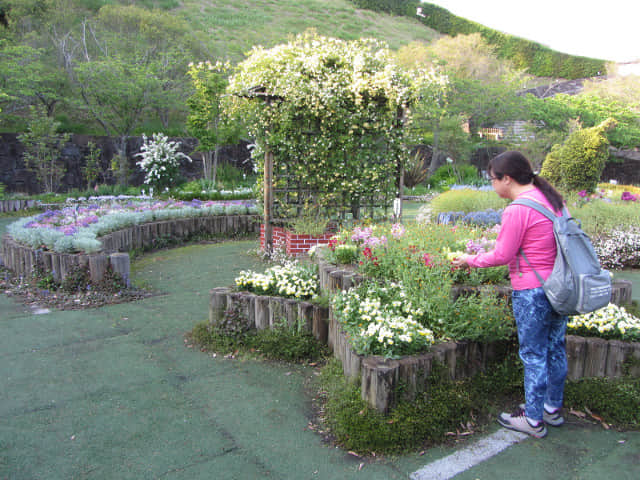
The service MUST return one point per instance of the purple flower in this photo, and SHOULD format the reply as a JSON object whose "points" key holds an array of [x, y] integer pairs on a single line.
{"points": [[68, 230], [582, 193], [628, 197]]}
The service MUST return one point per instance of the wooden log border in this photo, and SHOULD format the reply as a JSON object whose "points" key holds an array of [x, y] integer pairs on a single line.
{"points": [[381, 378], [23, 260], [17, 205]]}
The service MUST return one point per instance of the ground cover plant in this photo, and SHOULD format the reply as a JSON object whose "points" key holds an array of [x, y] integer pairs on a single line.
{"points": [[234, 335], [455, 410]]}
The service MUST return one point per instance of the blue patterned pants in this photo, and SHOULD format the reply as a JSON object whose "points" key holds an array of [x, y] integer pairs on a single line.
{"points": [[541, 334]]}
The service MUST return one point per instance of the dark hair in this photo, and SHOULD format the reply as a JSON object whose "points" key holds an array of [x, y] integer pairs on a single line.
{"points": [[518, 167]]}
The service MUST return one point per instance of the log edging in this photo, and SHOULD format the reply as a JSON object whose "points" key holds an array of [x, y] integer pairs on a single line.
{"points": [[16, 205], [380, 379], [23, 260]]}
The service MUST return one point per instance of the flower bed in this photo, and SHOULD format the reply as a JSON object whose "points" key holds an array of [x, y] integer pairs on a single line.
{"points": [[291, 280], [24, 259], [380, 377], [77, 228], [400, 307], [611, 322]]}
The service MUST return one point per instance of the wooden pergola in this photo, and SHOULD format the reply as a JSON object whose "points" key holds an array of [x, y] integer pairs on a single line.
{"points": [[260, 92]]}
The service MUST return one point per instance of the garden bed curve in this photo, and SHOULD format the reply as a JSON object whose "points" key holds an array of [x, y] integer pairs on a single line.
{"points": [[24, 260]]}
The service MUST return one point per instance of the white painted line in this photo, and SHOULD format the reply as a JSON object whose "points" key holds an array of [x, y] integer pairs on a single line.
{"points": [[470, 456]]}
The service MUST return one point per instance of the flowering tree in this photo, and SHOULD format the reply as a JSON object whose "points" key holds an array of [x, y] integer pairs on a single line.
{"points": [[333, 118], [160, 160]]}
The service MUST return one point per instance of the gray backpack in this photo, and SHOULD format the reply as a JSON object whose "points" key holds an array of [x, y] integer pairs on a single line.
{"points": [[577, 284]]}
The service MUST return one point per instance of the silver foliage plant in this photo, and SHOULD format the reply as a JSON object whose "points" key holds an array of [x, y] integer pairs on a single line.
{"points": [[86, 240]]}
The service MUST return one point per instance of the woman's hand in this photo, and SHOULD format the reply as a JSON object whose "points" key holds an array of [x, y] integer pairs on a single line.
{"points": [[460, 261]]}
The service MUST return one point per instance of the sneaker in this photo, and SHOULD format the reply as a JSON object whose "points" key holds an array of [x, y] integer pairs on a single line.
{"points": [[518, 421], [555, 419]]}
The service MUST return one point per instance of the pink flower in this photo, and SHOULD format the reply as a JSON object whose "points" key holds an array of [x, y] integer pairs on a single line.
{"points": [[628, 197], [427, 259], [397, 230], [582, 193]]}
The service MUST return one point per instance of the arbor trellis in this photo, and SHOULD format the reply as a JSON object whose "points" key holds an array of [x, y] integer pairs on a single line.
{"points": [[332, 118]]}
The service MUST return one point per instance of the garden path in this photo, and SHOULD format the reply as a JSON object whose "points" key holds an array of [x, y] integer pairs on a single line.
{"points": [[114, 393]]}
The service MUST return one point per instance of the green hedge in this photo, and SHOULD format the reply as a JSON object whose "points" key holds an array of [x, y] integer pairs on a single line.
{"points": [[397, 7], [525, 54], [536, 59]]}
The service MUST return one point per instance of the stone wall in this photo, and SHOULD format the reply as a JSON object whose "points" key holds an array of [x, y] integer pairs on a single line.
{"points": [[18, 178]]}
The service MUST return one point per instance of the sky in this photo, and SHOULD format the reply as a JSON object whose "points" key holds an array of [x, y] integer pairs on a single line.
{"points": [[603, 29]]}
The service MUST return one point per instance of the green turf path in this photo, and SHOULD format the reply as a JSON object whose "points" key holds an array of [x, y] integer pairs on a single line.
{"points": [[114, 393]]}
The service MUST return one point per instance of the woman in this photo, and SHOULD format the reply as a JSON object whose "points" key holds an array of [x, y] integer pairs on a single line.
{"points": [[541, 331]]}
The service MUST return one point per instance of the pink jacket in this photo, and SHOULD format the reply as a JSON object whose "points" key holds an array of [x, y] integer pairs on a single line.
{"points": [[523, 227]]}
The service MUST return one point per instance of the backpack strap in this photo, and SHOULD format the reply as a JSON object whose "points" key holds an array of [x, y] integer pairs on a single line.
{"points": [[537, 206], [534, 270], [527, 202]]}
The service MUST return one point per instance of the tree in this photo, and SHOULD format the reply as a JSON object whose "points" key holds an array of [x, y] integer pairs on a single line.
{"points": [[28, 77], [481, 90], [125, 64], [207, 121], [43, 145]]}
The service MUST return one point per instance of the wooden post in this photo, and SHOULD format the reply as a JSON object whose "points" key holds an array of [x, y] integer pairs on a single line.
{"points": [[268, 201], [397, 204]]}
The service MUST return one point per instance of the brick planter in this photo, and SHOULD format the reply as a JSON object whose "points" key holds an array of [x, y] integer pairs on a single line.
{"points": [[294, 244]]}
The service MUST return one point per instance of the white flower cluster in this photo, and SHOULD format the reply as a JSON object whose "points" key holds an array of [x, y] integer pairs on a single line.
{"points": [[611, 321], [289, 280], [619, 248], [381, 321], [160, 159]]}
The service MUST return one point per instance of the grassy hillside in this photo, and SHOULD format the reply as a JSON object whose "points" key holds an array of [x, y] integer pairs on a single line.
{"points": [[234, 26]]}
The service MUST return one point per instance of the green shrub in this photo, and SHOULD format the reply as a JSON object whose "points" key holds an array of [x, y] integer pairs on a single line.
{"points": [[415, 171], [578, 163], [466, 200], [450, 174]]}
